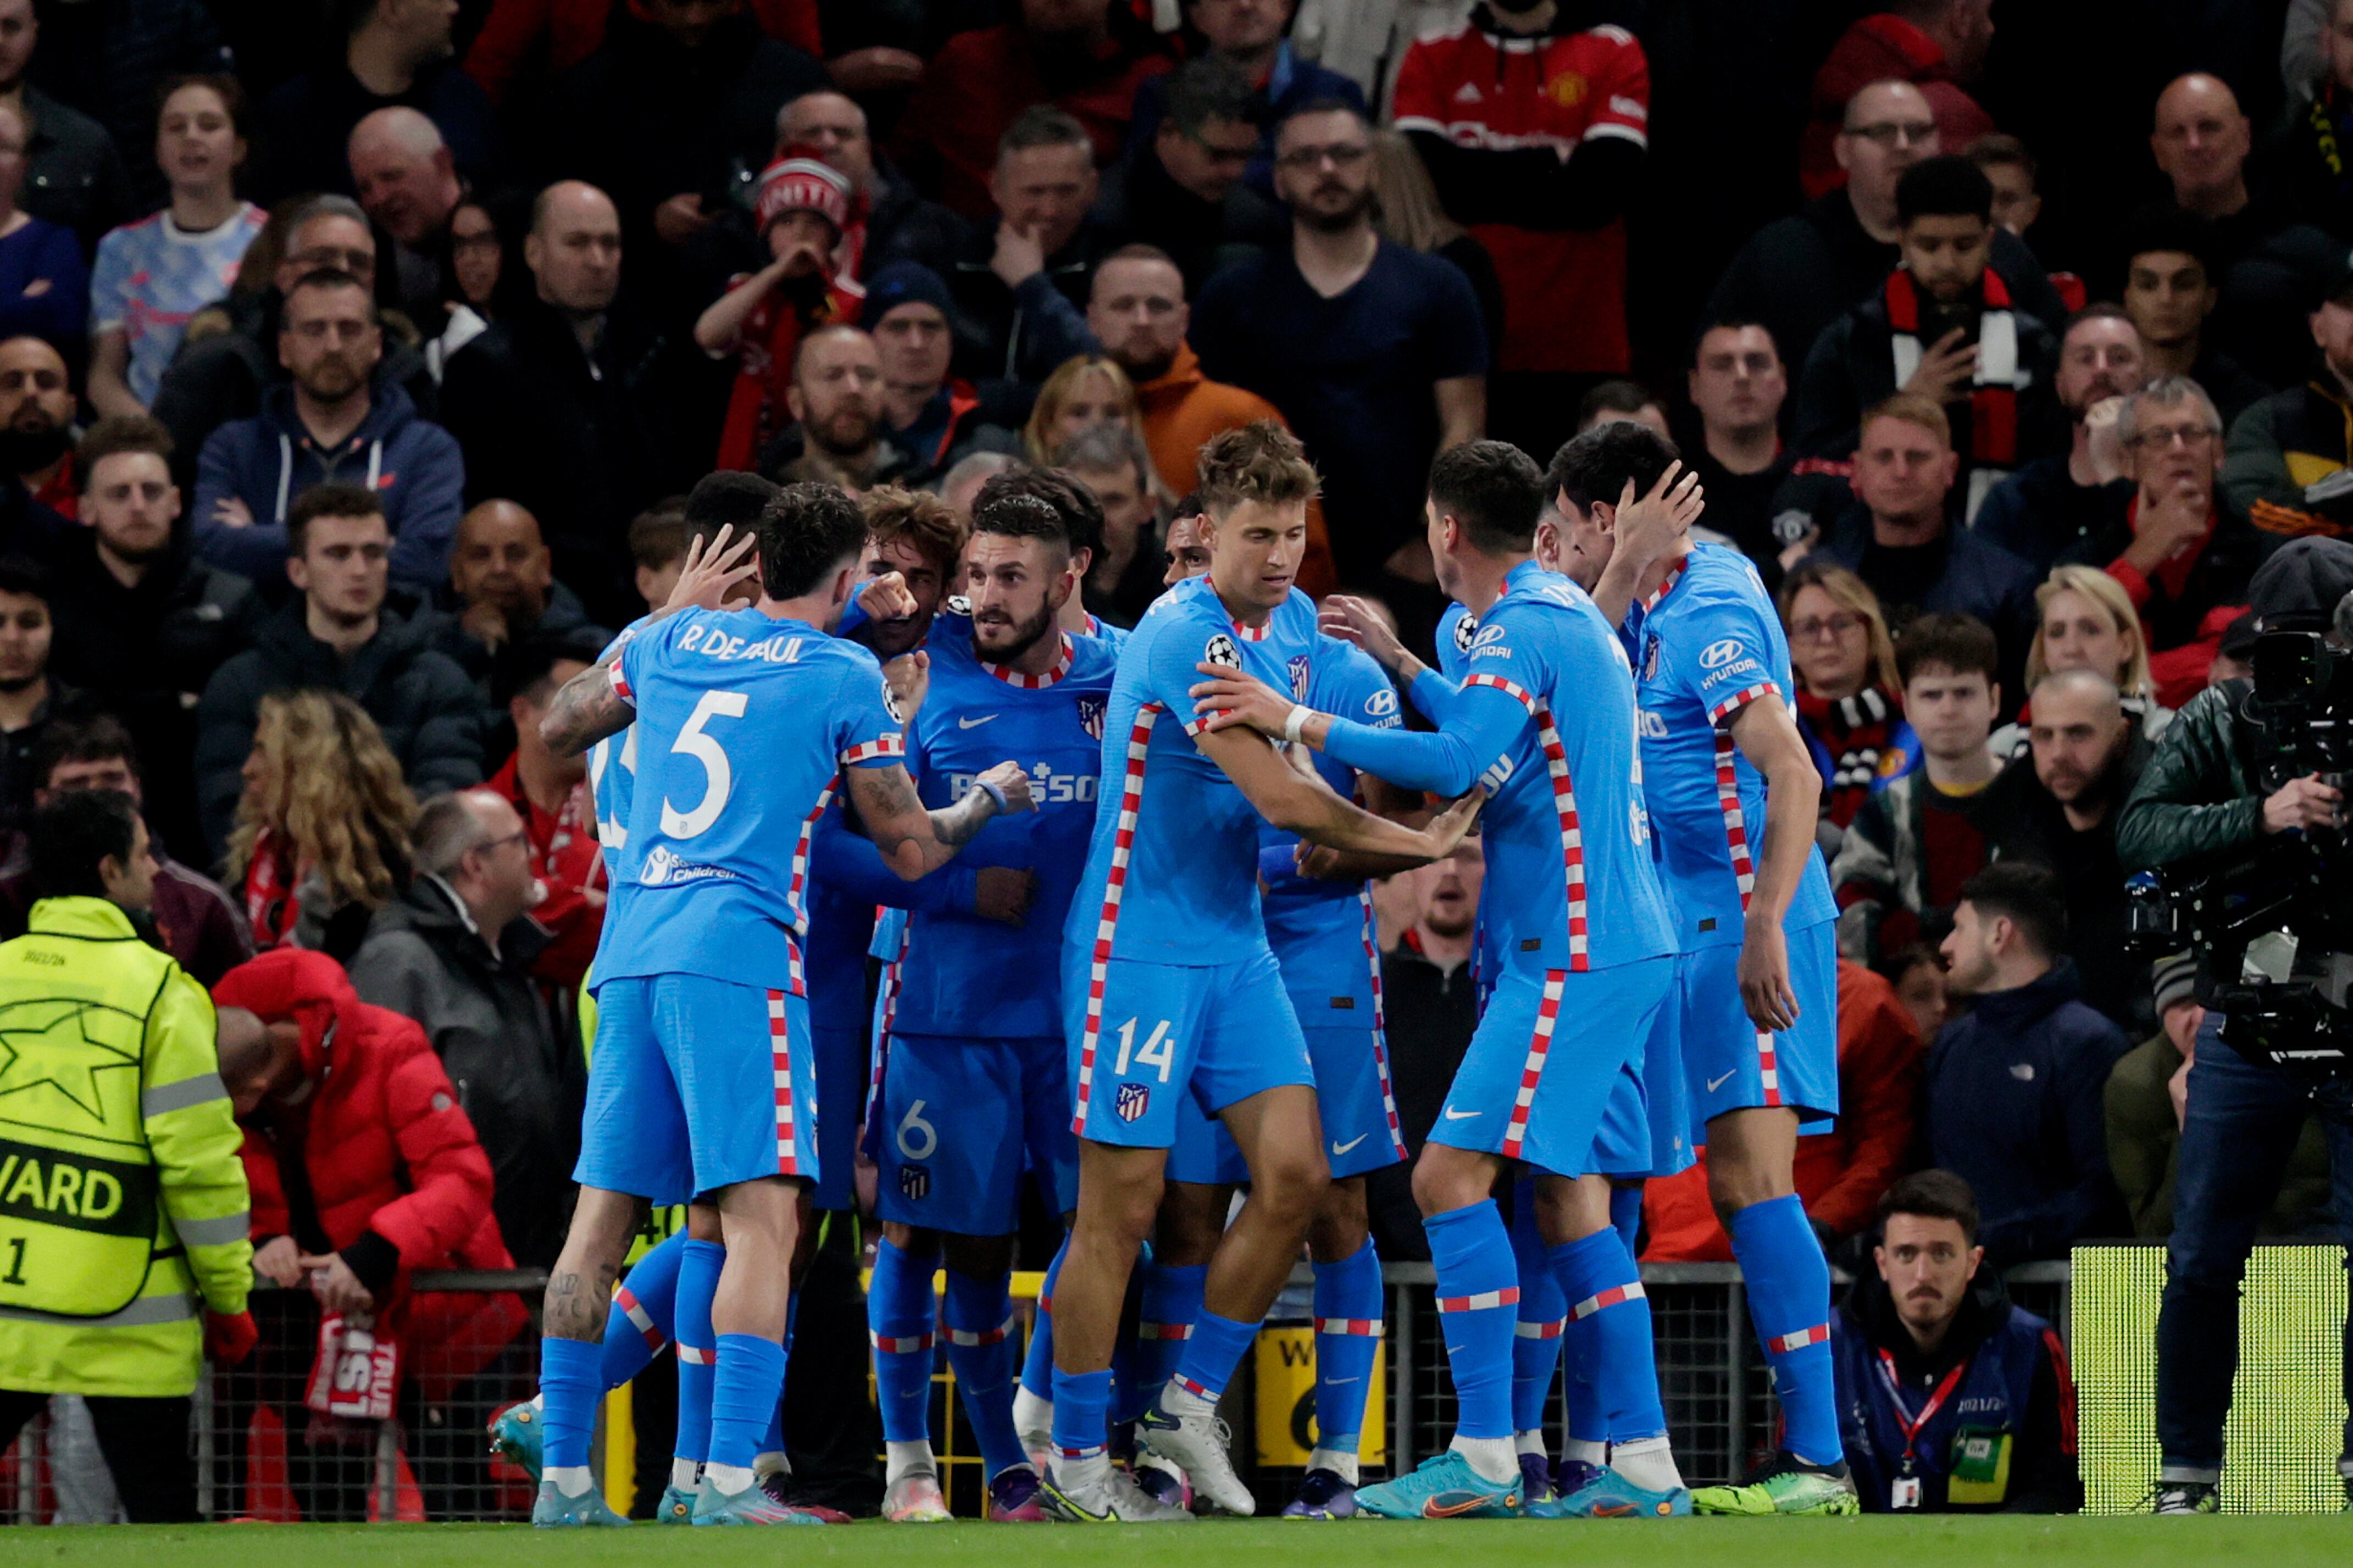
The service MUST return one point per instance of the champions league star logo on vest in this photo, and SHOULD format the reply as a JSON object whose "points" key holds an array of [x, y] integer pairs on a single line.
{"points": [[1299, 677], [1133, 1097], [1222, 652], [1464, 630], [1090, 716]]}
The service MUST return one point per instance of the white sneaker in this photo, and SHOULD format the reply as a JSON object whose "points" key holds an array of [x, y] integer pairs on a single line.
{"points": [[1115, 1498], [1033, 1423], [1196, 1446], [915, 1499]]}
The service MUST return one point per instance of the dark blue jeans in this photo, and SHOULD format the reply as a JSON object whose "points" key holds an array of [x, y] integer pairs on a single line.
{"points": [[2242, 1125]]}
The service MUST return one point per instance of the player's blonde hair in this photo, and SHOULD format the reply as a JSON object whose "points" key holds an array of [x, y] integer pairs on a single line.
{"points": [[1260, 461], [325, 782]]}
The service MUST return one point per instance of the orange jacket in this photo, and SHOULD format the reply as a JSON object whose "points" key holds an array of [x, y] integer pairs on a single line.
{"points": [[1841, 1173], [1183, 408]]}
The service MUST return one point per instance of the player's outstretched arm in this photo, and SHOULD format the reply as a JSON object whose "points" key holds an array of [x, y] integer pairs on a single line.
{"points": [[1486, 720], [1768, 736], [913, 841], [590, 706], [1314, 812]]}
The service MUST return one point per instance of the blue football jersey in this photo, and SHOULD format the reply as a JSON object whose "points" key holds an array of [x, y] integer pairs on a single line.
{"points": [[1569, 884], [612, 774], [1706, 644], [744, 723], [1320, 929], [1172, 871], [967, 976]]}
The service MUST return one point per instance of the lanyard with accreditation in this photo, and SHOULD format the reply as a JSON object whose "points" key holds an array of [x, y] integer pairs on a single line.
{"points": [[1904, 1492]]}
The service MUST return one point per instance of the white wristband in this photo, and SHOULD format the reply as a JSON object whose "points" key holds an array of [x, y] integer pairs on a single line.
{"points": [[1300, 714]]}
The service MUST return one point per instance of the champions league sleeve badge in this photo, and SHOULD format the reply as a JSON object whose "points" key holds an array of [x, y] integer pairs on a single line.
{"points": [[1222, 652]]}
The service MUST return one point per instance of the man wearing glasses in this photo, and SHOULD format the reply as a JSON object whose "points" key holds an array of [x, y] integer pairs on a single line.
{"points": [[1798, 274], [2178, 552], [1372, 351]]}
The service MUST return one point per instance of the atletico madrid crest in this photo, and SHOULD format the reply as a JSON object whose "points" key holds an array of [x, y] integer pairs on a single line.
{"points": [[1132, 1100], [1090, 716]]}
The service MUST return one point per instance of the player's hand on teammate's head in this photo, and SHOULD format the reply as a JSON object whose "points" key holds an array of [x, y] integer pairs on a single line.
{"points": [[909, 676], [1650, 527], [887, 598], [713, 570], [1231, 697], [1352, 620], [1013, 780], [1003, 893]]}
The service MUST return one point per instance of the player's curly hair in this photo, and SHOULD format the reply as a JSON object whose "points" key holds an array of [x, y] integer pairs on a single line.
{"points": [[1260, 461], [925, 523], [327, 786]]}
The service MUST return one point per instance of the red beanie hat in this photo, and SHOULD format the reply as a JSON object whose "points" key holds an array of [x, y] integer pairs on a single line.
{"points": [[801, 184]]}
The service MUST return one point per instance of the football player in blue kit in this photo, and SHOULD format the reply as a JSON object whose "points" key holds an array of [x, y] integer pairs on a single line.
{"points": [[1573, 916], [1734, 793], [1172, 991], [1319, 922], [973, 1074], [703, 1084]]}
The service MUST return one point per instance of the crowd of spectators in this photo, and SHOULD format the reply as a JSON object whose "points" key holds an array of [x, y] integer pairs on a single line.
{"points": [[354, 356]]}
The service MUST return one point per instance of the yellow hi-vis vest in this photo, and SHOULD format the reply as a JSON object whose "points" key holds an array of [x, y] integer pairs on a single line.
{"points": [[124, 1205]]}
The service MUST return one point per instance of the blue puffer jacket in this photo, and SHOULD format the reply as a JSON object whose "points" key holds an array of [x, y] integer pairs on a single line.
{"points": [[267, 461]]}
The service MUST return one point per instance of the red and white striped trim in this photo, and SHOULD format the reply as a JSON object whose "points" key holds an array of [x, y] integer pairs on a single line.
{"points": [[907, 1344], [1197, 1390], [1666, 584], [1532, 1072], [1164, 1332], [1741, 699], [891, 745], [1768, 1068], [1131, 805], [695, 1355], [1507, 1297], [1524, 1329], [1819, 1335], [970, 1337], [1062, 1452], [1255, 634], [640, 1319], [1609, 1298], [797, 885], [1744, 875], [1200, 721], [1369, 930], [1034, 682], [621, 683], [1358, 1327], [1572, 836], [1519, 694], [892, 973], [780, 1054]]}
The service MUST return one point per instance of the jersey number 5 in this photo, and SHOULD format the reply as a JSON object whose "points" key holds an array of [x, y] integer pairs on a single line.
{"points": [[719, 775]]}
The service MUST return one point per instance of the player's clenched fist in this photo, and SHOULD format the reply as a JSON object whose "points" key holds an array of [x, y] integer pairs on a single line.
{"points": [[1010, 783]]}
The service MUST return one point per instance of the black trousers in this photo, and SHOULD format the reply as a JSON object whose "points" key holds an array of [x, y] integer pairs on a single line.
{"points": [[145, 1442]]}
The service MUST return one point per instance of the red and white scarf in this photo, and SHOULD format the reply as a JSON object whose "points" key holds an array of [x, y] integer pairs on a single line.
{"points": [[1994, 389]]}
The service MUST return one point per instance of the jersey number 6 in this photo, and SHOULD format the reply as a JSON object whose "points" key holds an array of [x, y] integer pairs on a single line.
{"points": [[719, 775]]}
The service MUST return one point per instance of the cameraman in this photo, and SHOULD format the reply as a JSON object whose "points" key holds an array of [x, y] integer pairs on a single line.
{"points": [[2199, 810]]}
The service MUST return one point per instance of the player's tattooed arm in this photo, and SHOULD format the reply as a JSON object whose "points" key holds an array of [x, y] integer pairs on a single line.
{"points": [[913, 841], [585, 711]]}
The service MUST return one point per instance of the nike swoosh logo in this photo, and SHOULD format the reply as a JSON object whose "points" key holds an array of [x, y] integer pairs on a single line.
{"points": [[963, 723], [1437, 1507], [1340, 1149], [1454, 1115], [1715, 1083]]}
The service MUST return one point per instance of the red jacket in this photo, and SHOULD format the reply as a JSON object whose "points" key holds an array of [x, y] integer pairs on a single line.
{"points": [[980, 82], [1885, 47], [384, 1149], [566, 859], [1839, 1174], [571, 30]]}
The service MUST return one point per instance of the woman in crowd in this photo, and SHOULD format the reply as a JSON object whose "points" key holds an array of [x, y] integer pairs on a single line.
{"points": [[1849, 706], [473, 271], [1084, 391], [152, 275], [2087, 622], [322, 835], [44, 286]]}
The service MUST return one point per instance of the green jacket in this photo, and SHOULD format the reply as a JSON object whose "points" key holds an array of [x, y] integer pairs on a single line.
{"points": [[123, 1207], [2194, 802]]}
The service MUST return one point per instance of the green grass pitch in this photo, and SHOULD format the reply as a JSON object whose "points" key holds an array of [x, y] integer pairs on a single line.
{"points": [[1878, 1543]]}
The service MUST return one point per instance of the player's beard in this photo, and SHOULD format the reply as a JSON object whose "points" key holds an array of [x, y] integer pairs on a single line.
{"points": [[1024, 636]]}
